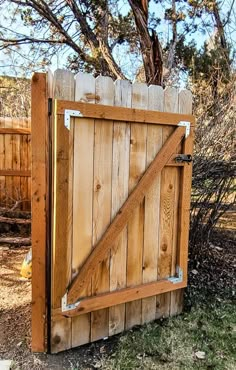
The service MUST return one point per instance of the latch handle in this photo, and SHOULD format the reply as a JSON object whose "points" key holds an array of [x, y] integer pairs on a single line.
{"points": [[180, 158]]}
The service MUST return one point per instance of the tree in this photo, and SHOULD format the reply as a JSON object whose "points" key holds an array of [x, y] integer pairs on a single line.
{"points": [[92, 33]]}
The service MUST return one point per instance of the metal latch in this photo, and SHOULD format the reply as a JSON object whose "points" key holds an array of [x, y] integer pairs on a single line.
{"points": [[183, 158]]}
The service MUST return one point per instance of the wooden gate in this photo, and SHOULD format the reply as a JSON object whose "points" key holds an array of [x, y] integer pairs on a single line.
{"points": [[120, 175]]}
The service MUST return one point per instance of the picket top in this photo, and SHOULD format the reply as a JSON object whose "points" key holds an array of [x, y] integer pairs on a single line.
{"points": [[181, 97]]}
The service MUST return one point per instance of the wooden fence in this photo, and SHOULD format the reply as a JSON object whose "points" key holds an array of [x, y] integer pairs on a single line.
{"points": [[15, 162], [118, 203]]}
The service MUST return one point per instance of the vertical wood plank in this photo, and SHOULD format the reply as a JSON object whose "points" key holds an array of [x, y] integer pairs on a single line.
{"points": [[8, 164], [82, 198], [61, 253], [152, 206], [168, 211], [120, 180], [2, 163], [29, 146], [136, 224], [16, 162], [39, 168], [185, 107], [102, 200], [24, 163]]}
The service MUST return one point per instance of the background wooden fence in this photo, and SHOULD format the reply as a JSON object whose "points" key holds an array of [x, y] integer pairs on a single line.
{"points": [[15, 162]]}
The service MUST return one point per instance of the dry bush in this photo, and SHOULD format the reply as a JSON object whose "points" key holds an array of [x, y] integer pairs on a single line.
{"points": [[214, 160], [15, 96]]}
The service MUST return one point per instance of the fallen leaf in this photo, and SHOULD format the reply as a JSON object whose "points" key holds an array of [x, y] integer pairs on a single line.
{"points": [[102, 349], [200, 355]]}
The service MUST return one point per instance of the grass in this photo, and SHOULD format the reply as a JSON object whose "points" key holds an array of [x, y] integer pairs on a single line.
{"points": [[173, 343]]}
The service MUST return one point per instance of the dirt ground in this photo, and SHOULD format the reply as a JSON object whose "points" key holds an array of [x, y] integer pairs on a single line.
{"points": [[211, 277], [15, 325]]}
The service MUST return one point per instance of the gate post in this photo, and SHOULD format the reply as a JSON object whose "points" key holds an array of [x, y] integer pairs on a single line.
{"points": [[40, 150]]}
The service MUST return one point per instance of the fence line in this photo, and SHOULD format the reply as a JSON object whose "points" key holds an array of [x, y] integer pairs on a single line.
{"points": [[15, 162]]}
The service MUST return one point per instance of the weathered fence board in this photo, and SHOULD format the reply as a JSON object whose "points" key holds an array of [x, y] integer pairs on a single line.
{"points": [[15, 162], [120, 178], [64, 88], [120, 206]]}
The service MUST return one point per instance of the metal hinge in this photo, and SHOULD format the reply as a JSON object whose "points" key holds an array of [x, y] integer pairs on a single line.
{"points": [[187, 125], [71, 113], [178, 278], [50, 106]]}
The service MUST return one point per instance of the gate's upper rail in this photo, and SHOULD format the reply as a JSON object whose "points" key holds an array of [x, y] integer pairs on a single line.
{"points": [[112, 113]]}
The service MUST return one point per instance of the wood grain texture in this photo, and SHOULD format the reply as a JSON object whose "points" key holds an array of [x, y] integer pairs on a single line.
{"points": [[82, 199], [138, 144], [15, 130], [106, 242], [184, 106], [16, 164], [14, 145], [29, 150], [20, 173], [120, 180], [8, 165], [104, 89], [168, 211], [2, 164], [61, 254], [119, 297], [24, 159], [39, 168], [152, 206], [117, 210], [124, 114]]}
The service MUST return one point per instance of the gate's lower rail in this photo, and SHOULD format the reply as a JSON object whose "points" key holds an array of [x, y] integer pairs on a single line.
{"points": [[120, 296]]}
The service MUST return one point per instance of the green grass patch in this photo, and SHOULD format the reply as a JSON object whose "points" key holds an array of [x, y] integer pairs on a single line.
{"points": [[173, 343]]}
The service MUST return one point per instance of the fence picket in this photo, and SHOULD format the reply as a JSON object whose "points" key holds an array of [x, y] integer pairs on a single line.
{"points": [[82, 197], [152, 206], [61, 275], [104, 89], [120, 179], [8, 165], [2, 163], [168, 211], [136, 224], [16, 164], [184, 106]]}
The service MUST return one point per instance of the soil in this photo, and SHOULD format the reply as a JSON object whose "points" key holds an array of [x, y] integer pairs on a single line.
{"points": [[212, 276]]}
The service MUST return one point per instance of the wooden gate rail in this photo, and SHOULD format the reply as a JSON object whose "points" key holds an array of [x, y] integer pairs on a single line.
{"points": [[106, 243], [109, 299], [15, 131], [112, 113], [21, 173]]}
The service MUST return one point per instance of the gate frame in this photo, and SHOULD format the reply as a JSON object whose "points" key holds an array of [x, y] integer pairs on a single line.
{"points": [[41, 111], [69, 109], [42, 202]]}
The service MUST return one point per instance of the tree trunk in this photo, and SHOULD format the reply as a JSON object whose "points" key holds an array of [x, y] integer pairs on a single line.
{"points": [[150, 45]]}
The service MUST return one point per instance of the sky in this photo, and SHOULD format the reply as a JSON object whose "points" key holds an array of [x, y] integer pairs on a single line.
{"points": [[59, 59]]}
